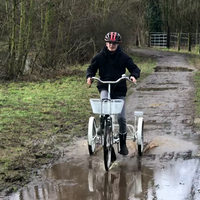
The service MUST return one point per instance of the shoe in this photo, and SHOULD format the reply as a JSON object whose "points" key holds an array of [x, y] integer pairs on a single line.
{"points": [[113, 155], [123, 148]]}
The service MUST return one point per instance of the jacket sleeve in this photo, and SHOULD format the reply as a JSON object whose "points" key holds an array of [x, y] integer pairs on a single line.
{"points": [[132, 68], [92, 69]]}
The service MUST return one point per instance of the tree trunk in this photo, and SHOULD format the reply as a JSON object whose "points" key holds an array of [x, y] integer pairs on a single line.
{"points": [[21, 57], [11, 65]]}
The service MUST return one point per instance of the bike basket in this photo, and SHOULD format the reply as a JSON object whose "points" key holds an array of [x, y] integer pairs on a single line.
{"points": [[106, 107]]}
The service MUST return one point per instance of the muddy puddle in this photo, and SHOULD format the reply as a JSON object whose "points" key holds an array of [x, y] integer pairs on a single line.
{"points": [[158, 174]]}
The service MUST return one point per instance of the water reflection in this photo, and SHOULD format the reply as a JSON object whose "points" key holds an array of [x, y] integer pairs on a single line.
{"points": [[177, 181], [118, 184], [131, 179]]}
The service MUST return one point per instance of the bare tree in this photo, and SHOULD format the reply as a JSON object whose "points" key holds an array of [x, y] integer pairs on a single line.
{"points": [[53, 33]]}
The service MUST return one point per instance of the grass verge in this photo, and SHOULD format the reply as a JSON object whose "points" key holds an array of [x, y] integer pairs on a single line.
{"points": [[195, 61]]}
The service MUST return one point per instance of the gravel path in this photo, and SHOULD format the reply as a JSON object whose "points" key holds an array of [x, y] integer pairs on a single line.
{"points": [[166, 96]]}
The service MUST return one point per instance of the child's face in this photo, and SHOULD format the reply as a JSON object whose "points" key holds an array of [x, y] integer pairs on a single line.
{"points": [[112, 46]]}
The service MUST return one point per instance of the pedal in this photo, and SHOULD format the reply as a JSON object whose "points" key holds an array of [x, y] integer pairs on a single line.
{"points": [[116, 138]]}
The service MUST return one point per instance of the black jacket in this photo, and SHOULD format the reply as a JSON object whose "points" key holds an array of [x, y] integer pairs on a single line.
{"points": [[111, 67]]}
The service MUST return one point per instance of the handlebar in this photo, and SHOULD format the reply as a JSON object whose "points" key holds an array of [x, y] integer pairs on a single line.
{"points": [[124, 77]]}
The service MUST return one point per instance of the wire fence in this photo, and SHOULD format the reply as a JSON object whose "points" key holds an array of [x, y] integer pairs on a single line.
{"points": [[181, 41], [158, 40]]}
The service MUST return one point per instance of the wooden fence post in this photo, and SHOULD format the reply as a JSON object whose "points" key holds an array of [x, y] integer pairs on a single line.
{"points": [[179, 41], [197, 38], [137, 41], [149, 39], [189, 42], [168, 37]]}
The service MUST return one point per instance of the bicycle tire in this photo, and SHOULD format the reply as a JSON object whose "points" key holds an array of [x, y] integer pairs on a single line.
{"points": [[140, 136], [92, 135], [107, 147]]}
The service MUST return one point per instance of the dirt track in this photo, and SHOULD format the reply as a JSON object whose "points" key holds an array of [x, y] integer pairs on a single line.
{"points": [[166, 96], [169, 168]]}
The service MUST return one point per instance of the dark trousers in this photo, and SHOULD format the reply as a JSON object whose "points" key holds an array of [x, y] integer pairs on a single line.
{"points": [[122, 116]]}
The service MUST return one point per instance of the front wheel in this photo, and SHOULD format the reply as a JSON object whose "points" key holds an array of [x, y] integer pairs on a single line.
{"points": [[92, 135], [140, 138], [107, 147]]}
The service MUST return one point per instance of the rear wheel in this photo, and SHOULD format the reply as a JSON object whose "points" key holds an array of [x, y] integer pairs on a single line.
{"points": [[92, 135], [107, 147], [140, 138]]}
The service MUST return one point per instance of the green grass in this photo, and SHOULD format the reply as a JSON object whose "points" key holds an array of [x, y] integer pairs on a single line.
{"points": [[195, 61], [197, 100], [197, 94], [194, 50], [39, 117]]}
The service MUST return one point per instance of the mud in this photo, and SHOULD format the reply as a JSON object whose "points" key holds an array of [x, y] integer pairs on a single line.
{"points": [[170, 165]]}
